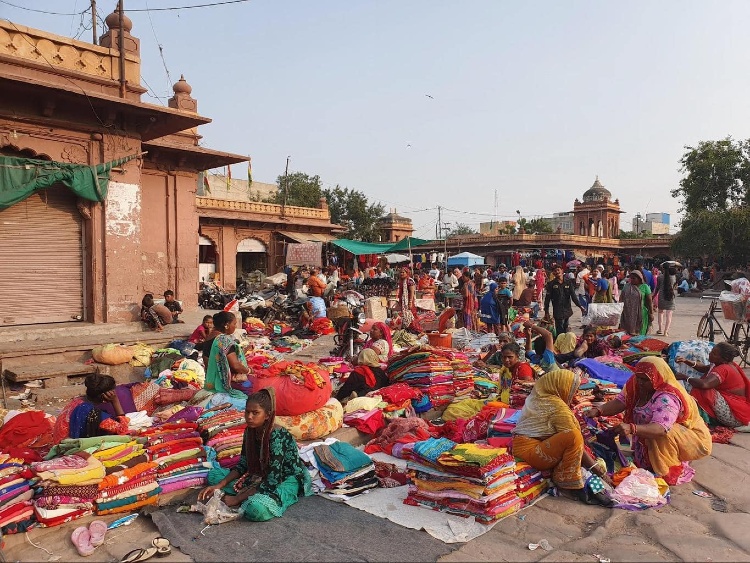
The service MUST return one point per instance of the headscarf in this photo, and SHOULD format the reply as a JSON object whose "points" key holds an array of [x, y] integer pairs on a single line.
{"points": [[386, 332], [547, 409], [493, 287], [663, 380], [367, 360], [637, 273]]}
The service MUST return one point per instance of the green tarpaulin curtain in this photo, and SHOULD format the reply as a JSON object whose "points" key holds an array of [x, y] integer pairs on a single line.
{"points": [[358, 247], [21, 177], [408, 242]]}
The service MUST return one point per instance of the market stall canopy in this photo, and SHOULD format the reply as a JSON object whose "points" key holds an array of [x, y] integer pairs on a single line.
{"points": [[397, 258], [465, 259], [357, 247], [406, 243], [21, 177]]}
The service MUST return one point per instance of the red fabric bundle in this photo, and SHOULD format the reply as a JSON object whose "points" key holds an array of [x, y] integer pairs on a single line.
{"points": [[652, 345], [171, 396], [398, 393]]}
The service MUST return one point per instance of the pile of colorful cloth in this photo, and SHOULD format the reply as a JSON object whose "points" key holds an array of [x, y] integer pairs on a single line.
{"points": [[425, 368], [69, 486], [467, 479], [179, 456], [463, 377], [128, 489], [16, 491], [323, 325], [518, 393], [503, 423], [345, 470], [530, 484], [290, 344], [255, 327], [222, 430]]}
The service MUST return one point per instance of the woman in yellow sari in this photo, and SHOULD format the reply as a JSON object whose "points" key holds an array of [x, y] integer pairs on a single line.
{"points": [[548, 436], [662, 421]]}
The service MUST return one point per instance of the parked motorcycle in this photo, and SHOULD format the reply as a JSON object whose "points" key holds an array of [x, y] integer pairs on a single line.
{"points": [[212, 297], [349, 339]]}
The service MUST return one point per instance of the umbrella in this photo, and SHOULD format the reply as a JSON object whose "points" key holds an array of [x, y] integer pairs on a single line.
{"points": [[396, 258], [674, 263], [572, 263]]}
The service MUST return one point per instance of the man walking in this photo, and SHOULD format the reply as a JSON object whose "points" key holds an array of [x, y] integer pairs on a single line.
{"points": [[560, 293]]}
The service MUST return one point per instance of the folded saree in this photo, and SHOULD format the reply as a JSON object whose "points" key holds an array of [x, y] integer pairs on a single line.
{"points": [[130, 507]]}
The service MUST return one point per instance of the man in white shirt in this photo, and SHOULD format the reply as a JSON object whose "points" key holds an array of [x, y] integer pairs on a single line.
{"points": [[581, 293], [450, 281], [434, 273], [433, 257]]}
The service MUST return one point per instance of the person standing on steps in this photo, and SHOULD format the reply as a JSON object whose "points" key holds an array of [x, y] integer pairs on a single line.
{"points": [[560, 293]]}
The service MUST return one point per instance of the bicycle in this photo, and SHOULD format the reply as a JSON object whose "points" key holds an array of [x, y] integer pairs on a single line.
{"points": [[709, 327]]}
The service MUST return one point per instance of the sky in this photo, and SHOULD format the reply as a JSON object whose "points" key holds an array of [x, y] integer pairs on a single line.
{"points": [[530, 99]]}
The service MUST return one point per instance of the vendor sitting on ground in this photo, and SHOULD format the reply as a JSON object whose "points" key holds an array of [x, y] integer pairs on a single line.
{"points": [[226, 370], [366, 376], [155, 316], [662, 422], [201, 333], [723, 393], [548, 437], [87, 416], [511, 357], [542, 350], [173, 305], [270, 476], [380, 341], [589, 346], [494, 356]]}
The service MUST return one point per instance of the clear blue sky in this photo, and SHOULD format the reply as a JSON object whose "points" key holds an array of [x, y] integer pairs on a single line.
{"points": [[532, 99]]}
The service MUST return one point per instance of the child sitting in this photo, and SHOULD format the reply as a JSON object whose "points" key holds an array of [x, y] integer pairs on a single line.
{"points": [[174, 306], [270, 476], [155, 316], [199, 334]]}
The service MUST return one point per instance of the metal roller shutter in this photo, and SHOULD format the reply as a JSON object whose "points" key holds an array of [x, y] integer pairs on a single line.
{"points": [[41, 260]]}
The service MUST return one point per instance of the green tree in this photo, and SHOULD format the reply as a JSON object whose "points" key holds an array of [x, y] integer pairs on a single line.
{"points": [[633, 234], [298, 189], [461, 229], [538, 226], [351, 209]]}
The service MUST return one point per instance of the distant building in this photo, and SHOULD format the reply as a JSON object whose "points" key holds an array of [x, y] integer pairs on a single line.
{"points": [[562, 221], [654, 223], [596, 215], [494, 228], [394, 227]]}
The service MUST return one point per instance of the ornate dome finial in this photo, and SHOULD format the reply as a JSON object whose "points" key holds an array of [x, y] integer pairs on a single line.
{"points": [[113, 21], [181, 86]]}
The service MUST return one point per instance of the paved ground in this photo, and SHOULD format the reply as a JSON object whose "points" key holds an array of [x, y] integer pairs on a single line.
{"points": [[690, 528]]}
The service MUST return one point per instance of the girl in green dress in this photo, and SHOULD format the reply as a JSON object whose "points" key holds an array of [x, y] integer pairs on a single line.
{"points": [[226, 371], [270, 476]]}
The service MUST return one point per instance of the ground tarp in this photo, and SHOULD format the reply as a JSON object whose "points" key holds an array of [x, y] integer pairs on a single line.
{"points": [[21, 177]]}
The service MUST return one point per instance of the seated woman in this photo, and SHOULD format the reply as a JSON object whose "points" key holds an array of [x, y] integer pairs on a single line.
{"points": [[380, 341], [270, 476], [723, 393], [542, 351], [548, 436], [201, 333], [661, 420], [510, 354], [588, 346], [226, 371], [366, 376], [494, 356], [87, 416]]}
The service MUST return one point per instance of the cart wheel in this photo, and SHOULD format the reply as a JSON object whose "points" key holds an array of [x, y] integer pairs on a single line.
{"points": [[704, 331]]}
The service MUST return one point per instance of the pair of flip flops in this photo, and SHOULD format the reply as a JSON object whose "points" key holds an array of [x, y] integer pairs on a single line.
{"points": [[88, 539], [159, 547]]}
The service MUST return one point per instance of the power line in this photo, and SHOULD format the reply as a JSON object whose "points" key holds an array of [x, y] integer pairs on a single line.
{"points": [[159, 45], [188, 7], [44, 11]]}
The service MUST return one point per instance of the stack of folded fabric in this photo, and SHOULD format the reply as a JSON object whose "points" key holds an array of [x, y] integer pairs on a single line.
{"points": [[223, 430], [69, 486], [119, 454], [530, 484], [344, 469], [16, 492], [503, 423], [463, 378], [470, 480], [427, 451], [518, 393], [180, 458], [128, 489], [427, 369]]}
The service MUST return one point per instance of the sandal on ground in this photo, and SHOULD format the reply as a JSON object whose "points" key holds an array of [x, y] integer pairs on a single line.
{"points": [[163, 546], [139, 555], [659, 333], [82, 540], [97, 530]]}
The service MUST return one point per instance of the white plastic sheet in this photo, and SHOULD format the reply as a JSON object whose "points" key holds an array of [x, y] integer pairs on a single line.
{"points": [[603, 314]]}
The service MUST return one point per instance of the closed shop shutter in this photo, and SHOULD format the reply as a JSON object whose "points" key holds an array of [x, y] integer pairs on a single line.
{"points": [[41, 260]]}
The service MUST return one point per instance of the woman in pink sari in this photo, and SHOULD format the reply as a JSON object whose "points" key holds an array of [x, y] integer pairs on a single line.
{"points": [[540, 279]]}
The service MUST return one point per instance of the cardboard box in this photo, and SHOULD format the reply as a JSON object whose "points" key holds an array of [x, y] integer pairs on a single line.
{"points": [[374, 309]]}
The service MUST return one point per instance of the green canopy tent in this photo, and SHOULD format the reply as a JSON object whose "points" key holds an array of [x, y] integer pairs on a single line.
{"points": [[21, 177], [407, 243], [357, 247]]}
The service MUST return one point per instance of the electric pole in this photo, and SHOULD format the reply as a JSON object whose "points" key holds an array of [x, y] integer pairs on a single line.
{"points": [[439, 224], [286, 186], [93, 20]]}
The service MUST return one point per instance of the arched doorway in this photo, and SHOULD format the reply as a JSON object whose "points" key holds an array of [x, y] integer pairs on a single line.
{"points": [[206, 259], [251, 256]]}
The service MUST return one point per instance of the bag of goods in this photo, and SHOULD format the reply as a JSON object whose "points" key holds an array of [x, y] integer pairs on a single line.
{"points": [[732, 305], [603, 314], [141, 355], [300, 388], [112, 354], [314, 424]]}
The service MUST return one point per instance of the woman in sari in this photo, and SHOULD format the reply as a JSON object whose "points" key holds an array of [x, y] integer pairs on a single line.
{"points": [[468, 292], [227, 369], [88, 416], [366, 376], [662, 421], [406, 298], [540, 279], [723, 393], [548, 436], [380, 341], [637, 312]]}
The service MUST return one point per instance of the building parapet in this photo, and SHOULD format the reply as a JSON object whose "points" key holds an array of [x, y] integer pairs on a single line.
{"points": [[263, 208]]}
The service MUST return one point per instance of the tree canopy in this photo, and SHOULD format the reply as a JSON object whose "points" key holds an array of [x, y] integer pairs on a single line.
{"points": [[715, 194], [461, 229], [298, 189], [351, 209], [537, 226]]}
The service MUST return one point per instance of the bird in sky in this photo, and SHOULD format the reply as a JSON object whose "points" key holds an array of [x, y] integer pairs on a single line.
{"points": [[408, 146], [429, 96]]}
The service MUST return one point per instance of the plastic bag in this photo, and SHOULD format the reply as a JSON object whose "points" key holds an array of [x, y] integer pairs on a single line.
{"points": [[741, 286], [215, 511], [603, 314], [732, 305], [112, 354], [640, 487]]}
